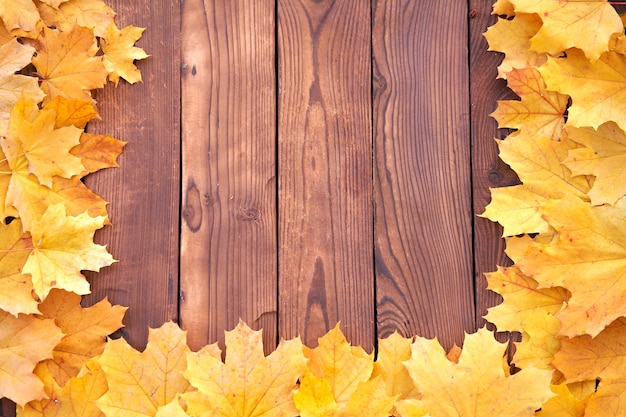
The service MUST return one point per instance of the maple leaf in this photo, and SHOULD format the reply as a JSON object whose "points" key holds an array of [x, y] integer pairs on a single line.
{"points": [[604, 156], [62, 247], [587, 25], [512, 37], [85, 331], [77, 398], [564, 404], [315, 399], [247, 383], [120, 53], [142, 382], [97, 152], [587, 257], [604, 356], [53, 3], [72, 112], [597, 88], [539, 112], [15, 287], [473, 386], [14, 56], [45, 148], [67, 63], [93, 14], [24, 341], [392, 351], [19, 14], [503, 8]]}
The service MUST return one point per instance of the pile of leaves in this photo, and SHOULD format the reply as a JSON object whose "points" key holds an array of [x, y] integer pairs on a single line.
{"points": [[563, 224]]}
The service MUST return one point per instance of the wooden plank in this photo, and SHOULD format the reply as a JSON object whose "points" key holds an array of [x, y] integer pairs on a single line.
{"points": [[144, 193], [228, 235], [423, 221], [7, 408], [325, 170], [487, 169]]}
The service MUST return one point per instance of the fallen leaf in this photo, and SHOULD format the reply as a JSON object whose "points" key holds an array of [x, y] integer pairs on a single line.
{"points": [[563, 405], [72, 112], [97, 152], [120, 53], [392, 351], [93, 14], [19, 14]]}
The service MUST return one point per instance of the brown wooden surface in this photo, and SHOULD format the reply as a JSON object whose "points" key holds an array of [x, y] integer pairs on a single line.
{"points": [[228, 235], [422, 179], [487, 169], [325, 170]]}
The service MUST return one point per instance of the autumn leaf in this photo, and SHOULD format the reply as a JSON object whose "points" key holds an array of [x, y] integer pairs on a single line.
{"points": [[85, 331], [76, 398], [604, 157], [587, 25], [97, 152], [604, 356], [587, 257], [62, 247], [503, 8], [72, 112], [564, 404], [67, 63], [247, 383], [24, 341], [142, 382], [19, 14], [46, 149], [120, 53], [477, 385], [93, 14], [513, 38], [539, 112], [597, 88], [392, 351]]}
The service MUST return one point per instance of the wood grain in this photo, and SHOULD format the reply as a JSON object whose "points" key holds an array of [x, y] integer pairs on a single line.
{"points": [[325, 170], [228, 236], [144, 192], [487, 168], [7, 408], [422, 177]]}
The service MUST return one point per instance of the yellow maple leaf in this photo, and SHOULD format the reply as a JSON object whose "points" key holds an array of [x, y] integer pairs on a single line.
{"points": [[85, 331], [62, 247], [587, 25], [46, 149], [120, 53], [392, 351], [564, 404], [24, 341], [67, 63], [604, 157], [53, 3], [503, 8], [142, 382], [19, 14], [538, 112], [587, 257], [315, 398], [604, 356], [247, 383], [97, 152], [477, 385], [76, 398], [15, 287], [6, 209], [93, 14], [512, 37], [597, 88]]}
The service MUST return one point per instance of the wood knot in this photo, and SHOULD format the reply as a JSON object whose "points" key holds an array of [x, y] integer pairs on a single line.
{"points": [[248, 214], [192, 210]]}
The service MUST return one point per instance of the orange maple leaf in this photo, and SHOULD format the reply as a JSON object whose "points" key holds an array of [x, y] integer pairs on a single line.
{"points": [[538, 112], [72, 112], [93, 14], [604, 157], [476, 385], [62, 247], [24, 341], [67, 63], [246, 384], [97, 152], [587, 257], [142, 382], [76, 398], [85, 331], [120, 53]]}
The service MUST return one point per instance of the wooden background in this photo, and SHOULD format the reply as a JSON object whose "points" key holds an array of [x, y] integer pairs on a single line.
{"points": [[300, 162]]}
